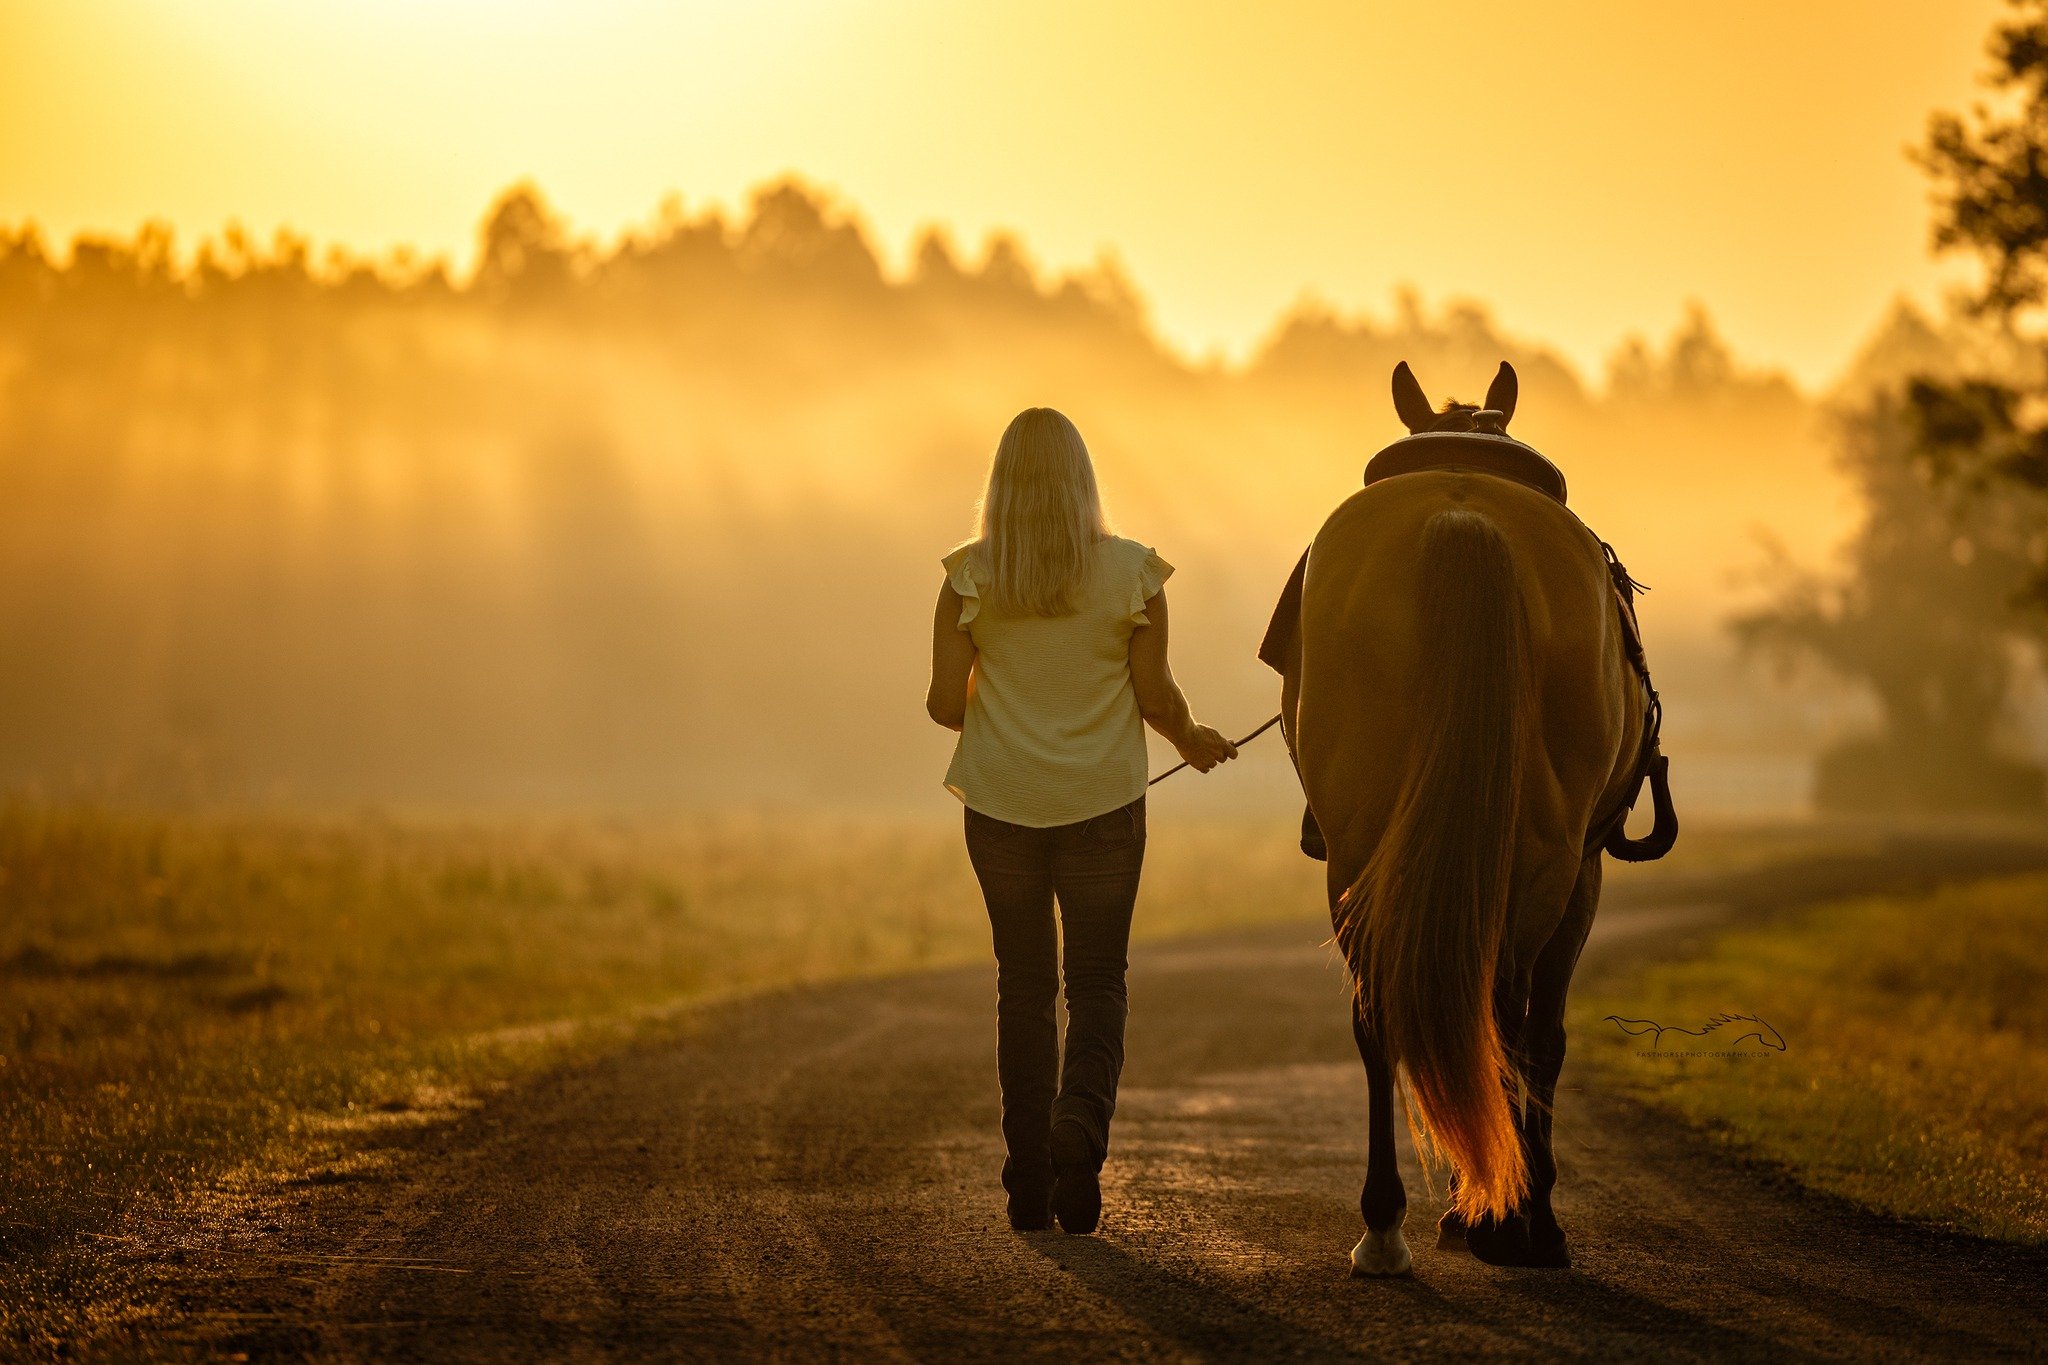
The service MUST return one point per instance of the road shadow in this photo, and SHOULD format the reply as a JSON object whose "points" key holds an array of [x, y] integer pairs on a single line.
{"points": [[1581, 1307], [1190, 1312], [1368, 1319]]}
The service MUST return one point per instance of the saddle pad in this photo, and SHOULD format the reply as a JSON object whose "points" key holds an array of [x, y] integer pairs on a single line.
{"points": [[1280, 631]]}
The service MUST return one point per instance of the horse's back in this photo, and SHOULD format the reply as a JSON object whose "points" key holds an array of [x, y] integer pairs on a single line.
{"points": [[1362, 689]]}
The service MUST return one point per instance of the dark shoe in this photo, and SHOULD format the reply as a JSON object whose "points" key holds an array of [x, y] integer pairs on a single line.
{"points": [[1076, 1191], [1030, 1210]]}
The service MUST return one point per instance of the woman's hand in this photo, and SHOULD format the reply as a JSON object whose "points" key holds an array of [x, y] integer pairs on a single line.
{"points": [[1204, 748]]}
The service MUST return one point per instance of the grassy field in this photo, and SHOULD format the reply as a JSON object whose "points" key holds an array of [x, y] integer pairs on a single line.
{"points": [[190, 1005], [1914, 1076]]}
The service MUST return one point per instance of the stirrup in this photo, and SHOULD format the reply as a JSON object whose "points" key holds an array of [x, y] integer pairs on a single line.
{"points": [[1312, 837]]}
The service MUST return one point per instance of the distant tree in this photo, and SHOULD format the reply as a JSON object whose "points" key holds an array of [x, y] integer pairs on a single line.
{"points": [[1006, 266], [791, 236], [28, 276], [524, 247], [935, 264], [1697, 366], [1921, 615]]}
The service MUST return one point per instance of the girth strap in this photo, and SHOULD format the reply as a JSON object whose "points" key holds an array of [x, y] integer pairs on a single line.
{"points": [[1611, 833]]}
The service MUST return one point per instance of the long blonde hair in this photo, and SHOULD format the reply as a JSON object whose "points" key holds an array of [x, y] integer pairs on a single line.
{"points": [[1041, 516]]}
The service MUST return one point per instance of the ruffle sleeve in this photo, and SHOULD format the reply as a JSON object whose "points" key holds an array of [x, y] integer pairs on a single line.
{"points": [[1152, 575], [961, 577]]}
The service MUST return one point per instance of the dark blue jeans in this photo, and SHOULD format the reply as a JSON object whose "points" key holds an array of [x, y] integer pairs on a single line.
{"points": [[1090, 868]]}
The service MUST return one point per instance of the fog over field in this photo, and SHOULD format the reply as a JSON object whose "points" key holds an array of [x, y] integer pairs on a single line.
{"points": [[654, 523]]}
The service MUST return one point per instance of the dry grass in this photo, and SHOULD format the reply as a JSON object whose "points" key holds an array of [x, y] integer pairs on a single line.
{"points": [[183, 1000], [1915, 1073]]}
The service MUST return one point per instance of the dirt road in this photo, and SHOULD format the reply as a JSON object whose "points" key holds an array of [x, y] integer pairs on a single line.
{"points": [[813, 1175]]}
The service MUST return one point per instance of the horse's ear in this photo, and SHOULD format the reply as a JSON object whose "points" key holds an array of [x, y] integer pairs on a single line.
{"points": [[1410, 401], [1502, 392]]}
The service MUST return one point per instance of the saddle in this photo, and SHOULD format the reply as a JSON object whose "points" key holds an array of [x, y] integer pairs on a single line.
{"points": [[1487, 449], [1484, 450]]}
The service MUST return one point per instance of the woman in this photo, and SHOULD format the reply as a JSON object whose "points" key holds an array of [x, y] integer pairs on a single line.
{"points": [[1048, 649]]}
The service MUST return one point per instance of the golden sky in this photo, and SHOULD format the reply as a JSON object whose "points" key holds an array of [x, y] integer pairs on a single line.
{"points": [[1584, 166]]}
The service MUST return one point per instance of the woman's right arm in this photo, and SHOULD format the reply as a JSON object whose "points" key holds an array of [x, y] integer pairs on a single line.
{"points": [[1160, 700], [945, 701]]}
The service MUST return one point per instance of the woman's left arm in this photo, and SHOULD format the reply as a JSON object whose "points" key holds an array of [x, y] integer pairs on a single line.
{"points": [[952, 663]]}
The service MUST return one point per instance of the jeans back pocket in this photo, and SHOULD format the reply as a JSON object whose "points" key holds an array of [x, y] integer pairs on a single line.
{"points": [[1119, 828]]}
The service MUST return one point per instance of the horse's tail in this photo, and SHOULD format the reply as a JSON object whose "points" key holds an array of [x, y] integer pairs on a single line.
{"points": [[1421, 927]]}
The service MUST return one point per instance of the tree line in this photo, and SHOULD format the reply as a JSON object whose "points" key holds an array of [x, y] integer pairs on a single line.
{"points": [[654, 520]]}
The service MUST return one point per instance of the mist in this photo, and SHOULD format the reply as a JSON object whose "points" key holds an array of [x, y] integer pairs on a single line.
{"points": [[656, 523]]}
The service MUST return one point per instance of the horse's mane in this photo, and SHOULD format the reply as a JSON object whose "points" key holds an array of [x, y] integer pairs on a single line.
{"points": [[1455, 416]]}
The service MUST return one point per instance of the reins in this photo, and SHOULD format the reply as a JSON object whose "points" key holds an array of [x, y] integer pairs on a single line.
{"points": [[1240, 744]]}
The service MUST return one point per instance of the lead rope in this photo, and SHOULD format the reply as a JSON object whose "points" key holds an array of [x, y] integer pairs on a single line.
{"points": [[1240, 744]]}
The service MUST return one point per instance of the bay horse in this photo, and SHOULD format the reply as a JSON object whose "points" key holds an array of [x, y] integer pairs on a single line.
{"points": [[1469, 724]]}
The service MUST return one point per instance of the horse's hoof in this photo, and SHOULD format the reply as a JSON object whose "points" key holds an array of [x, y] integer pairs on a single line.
{"points": [[1450, 1233], [1500, 1241], [1547, 1247], [1381, 1254]]}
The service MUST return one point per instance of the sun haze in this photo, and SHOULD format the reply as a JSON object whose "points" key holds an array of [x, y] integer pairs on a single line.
{"points": [[1585, 167]]}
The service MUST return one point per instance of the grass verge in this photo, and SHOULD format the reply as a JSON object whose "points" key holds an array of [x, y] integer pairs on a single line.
{"points": [[1914, 1075]]}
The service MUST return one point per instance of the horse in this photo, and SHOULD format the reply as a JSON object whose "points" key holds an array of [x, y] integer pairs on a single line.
{"points": [[1461, 704]]}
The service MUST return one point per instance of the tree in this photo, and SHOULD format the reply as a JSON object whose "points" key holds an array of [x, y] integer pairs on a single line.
{"points": [[524, 248], [1991, 183], [1979, 436], [791, 238], [1948, 577], [1922, 617]]}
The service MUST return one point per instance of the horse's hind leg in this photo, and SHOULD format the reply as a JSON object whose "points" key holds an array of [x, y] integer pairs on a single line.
{"points": [[1384, 1201], [1544, 1043], [1504, 1241], [1529, 1012]]}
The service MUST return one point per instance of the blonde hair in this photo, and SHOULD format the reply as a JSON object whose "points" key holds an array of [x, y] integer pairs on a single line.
{"points": [[1041, 516]]}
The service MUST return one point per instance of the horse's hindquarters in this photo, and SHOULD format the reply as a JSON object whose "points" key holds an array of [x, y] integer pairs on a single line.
{"points": [[1363, 682]]}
